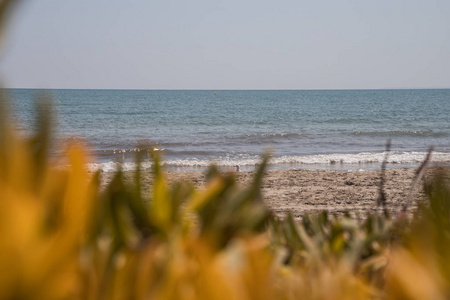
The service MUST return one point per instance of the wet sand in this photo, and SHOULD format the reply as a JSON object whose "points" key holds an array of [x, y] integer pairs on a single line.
{"points": [[306, 191]]}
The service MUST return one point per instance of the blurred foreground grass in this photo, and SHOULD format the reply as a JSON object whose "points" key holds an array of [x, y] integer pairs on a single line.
{"points": [[62, 237]]}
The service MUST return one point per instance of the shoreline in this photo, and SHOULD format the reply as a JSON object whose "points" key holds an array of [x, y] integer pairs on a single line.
{"points": [[312, 191], [360, 161]]}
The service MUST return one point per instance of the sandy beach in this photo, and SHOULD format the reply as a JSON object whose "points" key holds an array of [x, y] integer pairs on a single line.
{"points": [[307, 191]]}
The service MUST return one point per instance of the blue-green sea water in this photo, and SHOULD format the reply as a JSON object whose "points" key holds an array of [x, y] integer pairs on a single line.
{"points": [[344, 129]]}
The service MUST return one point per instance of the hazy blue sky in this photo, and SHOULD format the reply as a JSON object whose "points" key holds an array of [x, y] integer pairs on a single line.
{"points": [[208, 44]]}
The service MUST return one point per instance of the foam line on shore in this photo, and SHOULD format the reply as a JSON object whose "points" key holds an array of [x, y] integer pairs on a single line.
{"points": [[364, 160]]}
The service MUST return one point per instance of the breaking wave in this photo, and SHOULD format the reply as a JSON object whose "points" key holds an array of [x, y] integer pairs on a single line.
{"points": [[363, 160]]}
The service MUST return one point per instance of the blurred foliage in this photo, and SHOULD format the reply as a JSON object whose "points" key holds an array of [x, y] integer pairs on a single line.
{"points": [[64, 237]]}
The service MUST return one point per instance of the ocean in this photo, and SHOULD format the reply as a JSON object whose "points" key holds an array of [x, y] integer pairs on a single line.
{"points": [[316, 129]]}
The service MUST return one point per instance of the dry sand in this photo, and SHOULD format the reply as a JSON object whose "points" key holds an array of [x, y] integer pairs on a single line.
{"points": [[306, 191]]}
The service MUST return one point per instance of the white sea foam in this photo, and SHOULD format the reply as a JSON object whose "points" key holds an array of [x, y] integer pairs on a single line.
{"points": [[337, 160], [115, 166], [395, 157]]}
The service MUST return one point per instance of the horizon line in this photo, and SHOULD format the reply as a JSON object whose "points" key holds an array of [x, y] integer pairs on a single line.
{"points": [[222, 89]]}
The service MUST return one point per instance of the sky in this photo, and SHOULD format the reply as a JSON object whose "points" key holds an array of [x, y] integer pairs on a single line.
{"points": [[211, 44]]}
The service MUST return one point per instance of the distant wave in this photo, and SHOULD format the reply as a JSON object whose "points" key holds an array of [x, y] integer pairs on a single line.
{"points": [[348, 121], [264, 138], [310, 161], [282, 135], [397, 133], [173, 146]]}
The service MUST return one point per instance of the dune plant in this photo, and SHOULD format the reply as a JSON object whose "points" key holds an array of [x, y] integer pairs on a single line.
{"points": [[62, 236]]}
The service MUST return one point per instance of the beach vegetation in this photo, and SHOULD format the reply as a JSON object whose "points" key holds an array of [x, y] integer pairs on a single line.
{"points": [[63, 236]]}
